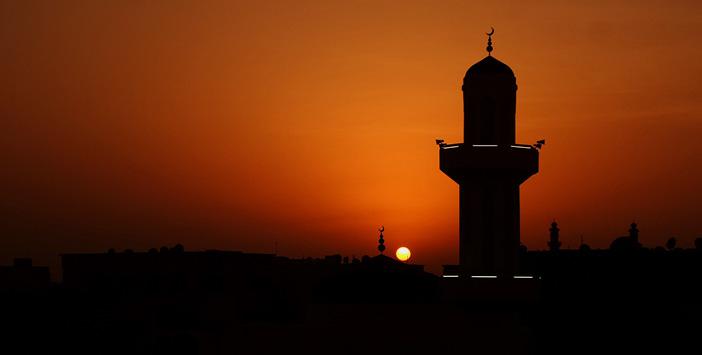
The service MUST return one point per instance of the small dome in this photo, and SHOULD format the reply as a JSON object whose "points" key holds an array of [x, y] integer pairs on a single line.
{"points": [[489, 66]]}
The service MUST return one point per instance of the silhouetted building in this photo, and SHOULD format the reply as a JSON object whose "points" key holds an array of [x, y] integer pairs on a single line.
{"points": [[629, 242], [169, 269], [23, 275], [177, 271], [489, 167], [554, 243]]}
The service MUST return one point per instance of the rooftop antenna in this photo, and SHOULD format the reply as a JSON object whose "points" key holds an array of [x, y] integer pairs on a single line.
{"points": [[489, 46]]}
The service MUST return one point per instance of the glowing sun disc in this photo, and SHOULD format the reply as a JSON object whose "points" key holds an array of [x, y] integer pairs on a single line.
{"points": [[403, 253]]}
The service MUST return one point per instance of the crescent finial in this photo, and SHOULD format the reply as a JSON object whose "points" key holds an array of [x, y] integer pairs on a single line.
{"points": [[489, 46]]}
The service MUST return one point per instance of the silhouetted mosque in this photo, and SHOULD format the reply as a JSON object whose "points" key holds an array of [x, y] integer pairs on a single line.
{"points": [[628, 242], [501, 298], [488, 167]]}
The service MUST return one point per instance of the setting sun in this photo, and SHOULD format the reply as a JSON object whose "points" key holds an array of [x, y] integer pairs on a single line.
{"points": [[403, 253]]}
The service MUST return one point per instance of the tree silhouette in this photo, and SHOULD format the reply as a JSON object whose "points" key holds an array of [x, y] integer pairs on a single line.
{"points": [[698, 243]]}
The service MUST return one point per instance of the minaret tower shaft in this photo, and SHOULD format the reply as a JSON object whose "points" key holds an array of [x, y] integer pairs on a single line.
{"points": [[489, 167], [554, 243]]}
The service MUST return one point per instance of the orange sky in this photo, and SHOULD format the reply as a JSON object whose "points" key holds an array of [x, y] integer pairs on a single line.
{"points": [[311, 123]]}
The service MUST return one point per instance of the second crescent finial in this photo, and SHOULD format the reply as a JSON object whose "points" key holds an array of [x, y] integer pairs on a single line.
{"points": [[489, 46]]}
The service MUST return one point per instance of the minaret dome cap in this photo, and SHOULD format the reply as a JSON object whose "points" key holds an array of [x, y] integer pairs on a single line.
{"points": [[489, 67]]}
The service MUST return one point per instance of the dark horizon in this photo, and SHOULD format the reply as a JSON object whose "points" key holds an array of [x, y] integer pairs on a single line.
{"points": [[175, 301]]}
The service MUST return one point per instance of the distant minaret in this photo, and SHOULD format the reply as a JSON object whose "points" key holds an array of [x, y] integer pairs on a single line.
{"points": [[381, 241], [634, 234], [554, 244]]}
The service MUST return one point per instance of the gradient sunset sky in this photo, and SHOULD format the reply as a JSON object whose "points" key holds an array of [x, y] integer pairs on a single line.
{"points": [[233, 125]]}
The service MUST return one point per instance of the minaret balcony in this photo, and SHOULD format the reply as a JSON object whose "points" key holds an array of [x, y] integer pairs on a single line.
{"points": [[466, 162]]}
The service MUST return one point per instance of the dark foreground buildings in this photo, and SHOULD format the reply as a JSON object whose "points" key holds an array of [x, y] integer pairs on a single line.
{"points": [[174, 301], [23, 275], [500, 299]]}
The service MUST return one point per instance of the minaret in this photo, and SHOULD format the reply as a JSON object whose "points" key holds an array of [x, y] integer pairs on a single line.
{"points": [[554, 244], [381, 240], [488, 167], [634, 234]]}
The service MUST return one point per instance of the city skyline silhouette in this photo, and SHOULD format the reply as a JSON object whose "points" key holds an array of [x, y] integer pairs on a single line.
{"points": [[262, 178]]}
